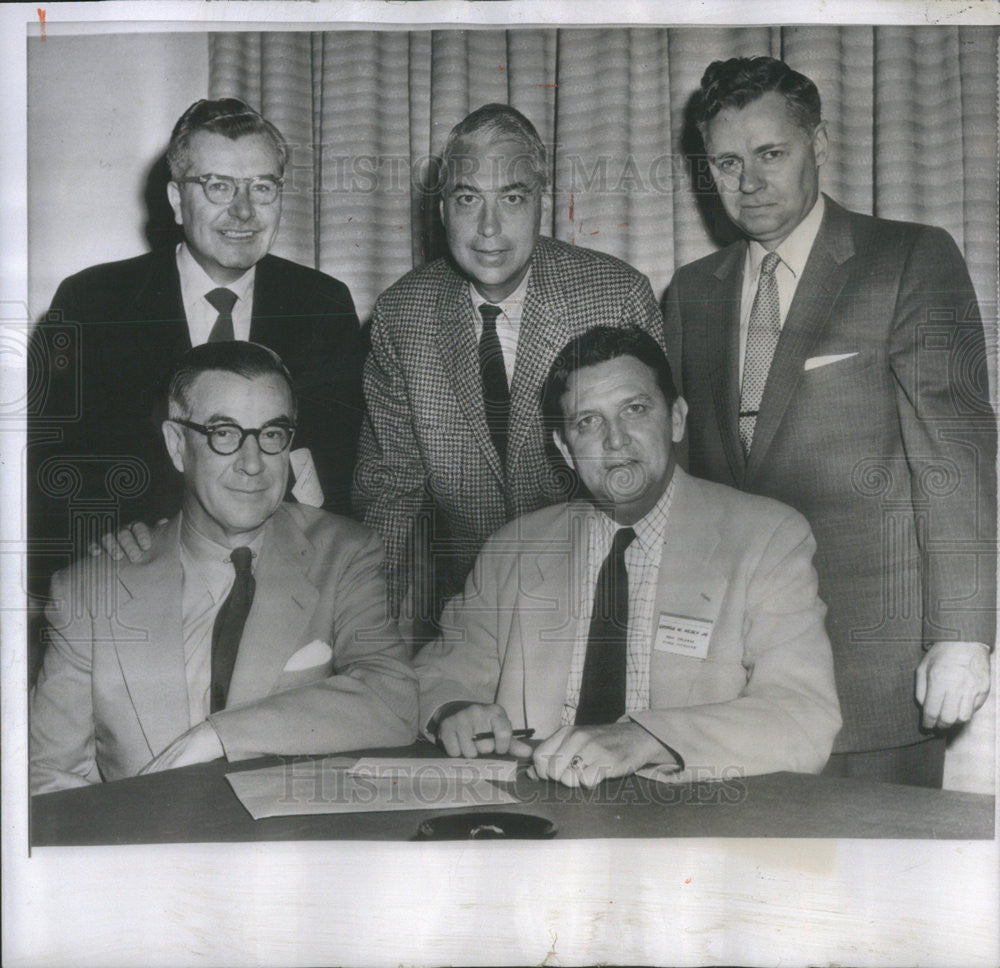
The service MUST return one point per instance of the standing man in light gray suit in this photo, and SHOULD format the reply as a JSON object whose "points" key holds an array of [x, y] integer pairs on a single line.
{"points": [[461, 346], [836, 362]]}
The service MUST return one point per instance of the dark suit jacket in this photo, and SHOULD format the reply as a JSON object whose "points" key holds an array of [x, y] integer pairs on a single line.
{"points": [[319, 667], [425, 429], [99, 360], [888, 451]]}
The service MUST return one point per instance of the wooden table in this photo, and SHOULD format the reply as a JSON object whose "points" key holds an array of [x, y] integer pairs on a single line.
{"points": [[196, 804]]}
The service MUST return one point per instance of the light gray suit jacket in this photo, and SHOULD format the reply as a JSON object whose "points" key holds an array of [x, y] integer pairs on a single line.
{"points": [[112, 692], [762, 699]]}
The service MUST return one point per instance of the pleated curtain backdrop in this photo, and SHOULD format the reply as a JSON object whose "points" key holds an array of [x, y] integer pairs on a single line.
{"points": [[912, 112]]}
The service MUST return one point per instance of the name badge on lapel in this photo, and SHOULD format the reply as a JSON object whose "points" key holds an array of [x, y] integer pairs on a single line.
{"points": [[683, 635]]}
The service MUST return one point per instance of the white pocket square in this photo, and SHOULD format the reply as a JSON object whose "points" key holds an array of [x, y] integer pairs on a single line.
{"points": [[817, 361], [316, 653]]}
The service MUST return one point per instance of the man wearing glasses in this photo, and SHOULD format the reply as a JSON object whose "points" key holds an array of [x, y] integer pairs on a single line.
{"points": [[135, 318], [251, 626]]}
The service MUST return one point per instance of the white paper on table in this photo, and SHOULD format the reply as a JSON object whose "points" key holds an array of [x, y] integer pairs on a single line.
{"points": [[481, 768], [337, 784]]}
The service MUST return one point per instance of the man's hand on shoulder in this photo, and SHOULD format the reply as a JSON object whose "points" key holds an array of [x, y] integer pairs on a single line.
{"points": [[457, 727], [199, 744], [953, 681], [132, 542]]}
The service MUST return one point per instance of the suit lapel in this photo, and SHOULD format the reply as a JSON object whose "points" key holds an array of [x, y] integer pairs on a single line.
{"points": [[545, 621], [159, 307], [686, 585], [823, 278], [149, 643], [456, 344], [721, 350], [544, 332], [283, 604], [268, 323]]}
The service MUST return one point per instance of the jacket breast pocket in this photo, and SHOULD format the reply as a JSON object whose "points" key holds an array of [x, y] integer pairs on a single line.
{"points": [[302, 677]]}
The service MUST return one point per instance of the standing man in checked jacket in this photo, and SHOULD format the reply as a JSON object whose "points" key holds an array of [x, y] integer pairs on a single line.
{"points": [[460, 349]]}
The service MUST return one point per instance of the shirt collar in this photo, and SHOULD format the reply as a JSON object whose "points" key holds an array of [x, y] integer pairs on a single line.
{"points": [[212, 560], [649, 529], [511, 305], [793, 251], [195, 280]]}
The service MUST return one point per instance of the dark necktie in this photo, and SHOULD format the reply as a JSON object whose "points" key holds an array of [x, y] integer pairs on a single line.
{"points": [[223, 300], [762, 338], [602, 689], [496, 395], [228, 628]]}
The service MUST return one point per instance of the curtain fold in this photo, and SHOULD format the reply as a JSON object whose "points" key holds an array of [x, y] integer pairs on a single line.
{"points": [[912, 114]]}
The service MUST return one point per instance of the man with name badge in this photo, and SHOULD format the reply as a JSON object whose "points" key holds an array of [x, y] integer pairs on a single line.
{"points": [[665, 621]]}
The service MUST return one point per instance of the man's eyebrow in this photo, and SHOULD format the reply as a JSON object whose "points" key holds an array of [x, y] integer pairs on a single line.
{"points": [[222, 418], [770, 146], [519, 186]]}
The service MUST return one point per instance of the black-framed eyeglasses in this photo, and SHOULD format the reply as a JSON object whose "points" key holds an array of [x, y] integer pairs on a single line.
{"points": [[227, 438], [222, 189]]}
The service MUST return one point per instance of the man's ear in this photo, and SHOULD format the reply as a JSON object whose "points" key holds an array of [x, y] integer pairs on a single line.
{"points": [[557, 439], [820, 143], [546, 204], [174, 439], [174, 197], [678, 419]]}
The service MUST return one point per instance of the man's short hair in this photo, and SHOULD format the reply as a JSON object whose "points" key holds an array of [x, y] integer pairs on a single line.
{"points": [[496, 122], [736, 82], [599, 345], [249, 360], [227, 116]]}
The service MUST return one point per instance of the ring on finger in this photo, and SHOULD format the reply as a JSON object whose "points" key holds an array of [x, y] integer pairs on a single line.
{"points": [[576, 763]]}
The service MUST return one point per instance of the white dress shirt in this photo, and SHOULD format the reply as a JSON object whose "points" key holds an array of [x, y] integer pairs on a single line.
{"points": [[794, 254], [508, 322], [208, 577], [201, 314], [642, 562]]}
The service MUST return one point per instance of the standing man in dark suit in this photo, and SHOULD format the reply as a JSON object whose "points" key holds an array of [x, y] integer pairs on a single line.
{"points": [[98, 425], [461, 347], [836, 362]]}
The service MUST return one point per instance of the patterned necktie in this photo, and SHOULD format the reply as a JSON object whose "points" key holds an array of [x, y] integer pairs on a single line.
{"points": [[223, 300], [602, 689], [228, 628], [496, 395], [762, 338]]}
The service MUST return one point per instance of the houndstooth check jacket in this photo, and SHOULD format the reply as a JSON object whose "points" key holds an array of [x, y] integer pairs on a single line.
{"points": [[424, 440]]}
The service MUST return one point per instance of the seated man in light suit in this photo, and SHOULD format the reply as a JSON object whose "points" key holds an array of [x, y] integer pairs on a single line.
{"points": [[666, 621], [251, 626]]}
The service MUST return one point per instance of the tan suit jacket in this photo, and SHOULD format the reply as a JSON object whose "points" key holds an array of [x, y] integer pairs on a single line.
{"points": [[112, 692], [763, 699]]}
